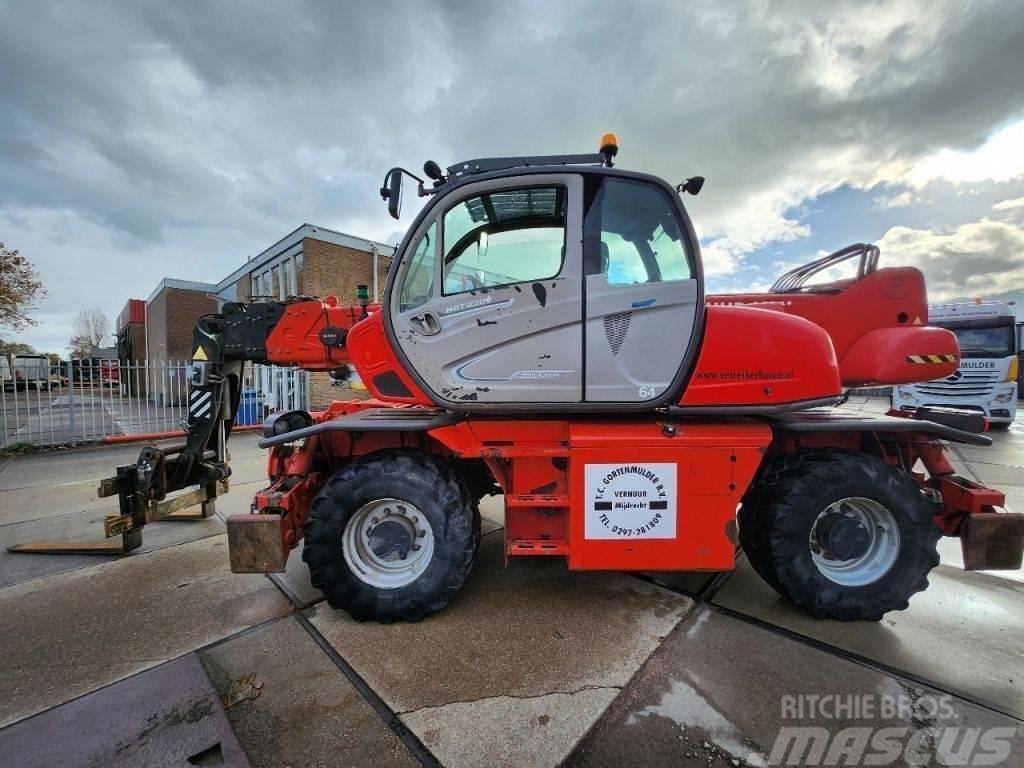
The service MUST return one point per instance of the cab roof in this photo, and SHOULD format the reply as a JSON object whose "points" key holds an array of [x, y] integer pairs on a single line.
{"points": [[487, 164]]}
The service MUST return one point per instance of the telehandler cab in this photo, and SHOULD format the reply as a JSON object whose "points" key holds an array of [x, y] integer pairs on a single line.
{"points": [[544, 334]]}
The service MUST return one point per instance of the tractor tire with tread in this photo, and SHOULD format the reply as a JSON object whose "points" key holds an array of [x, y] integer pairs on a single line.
{"points": [[779, 513], [405, 475]]}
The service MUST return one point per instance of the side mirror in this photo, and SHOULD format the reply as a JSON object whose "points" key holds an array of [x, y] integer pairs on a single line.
{"points": [[395, 194], [692, 185], [392, 189]]}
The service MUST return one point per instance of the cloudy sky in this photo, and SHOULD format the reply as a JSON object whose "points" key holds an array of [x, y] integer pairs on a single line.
{"points": [[147, 139]]}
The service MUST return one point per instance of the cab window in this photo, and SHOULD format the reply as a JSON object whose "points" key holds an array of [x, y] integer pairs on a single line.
{"points": [[504, 237], [418, 282], [632, 235]]}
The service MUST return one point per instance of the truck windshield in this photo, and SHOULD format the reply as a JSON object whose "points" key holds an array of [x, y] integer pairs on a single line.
{"points": [[991, 341]]}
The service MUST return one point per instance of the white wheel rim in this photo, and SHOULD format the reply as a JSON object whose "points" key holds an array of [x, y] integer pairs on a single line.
{"points": [[388, 543], [880, 554]]}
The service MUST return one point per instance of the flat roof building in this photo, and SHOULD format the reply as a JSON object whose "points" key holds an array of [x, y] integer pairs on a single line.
{"points": [[309, 261]]}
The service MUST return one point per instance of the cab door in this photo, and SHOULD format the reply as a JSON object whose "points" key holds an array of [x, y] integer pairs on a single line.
{"points": [[488, 305], [642, 291]]}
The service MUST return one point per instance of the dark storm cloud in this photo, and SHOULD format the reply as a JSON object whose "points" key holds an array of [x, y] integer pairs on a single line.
{"points": [[176, 110], [139, 117]]}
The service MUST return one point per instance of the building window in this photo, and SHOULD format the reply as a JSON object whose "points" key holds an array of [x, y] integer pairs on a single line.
{"points": [[276, 287], [280, 279], [288, 278]]}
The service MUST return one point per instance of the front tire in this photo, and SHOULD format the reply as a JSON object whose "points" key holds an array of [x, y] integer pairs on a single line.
{"points": [[844, 536], [391, 536]]}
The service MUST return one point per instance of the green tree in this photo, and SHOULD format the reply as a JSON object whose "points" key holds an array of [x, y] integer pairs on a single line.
{"points": [[20, 289], [9, 348]]}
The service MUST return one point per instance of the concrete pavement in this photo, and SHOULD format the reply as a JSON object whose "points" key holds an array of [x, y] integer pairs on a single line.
{"points": [[529, 665]]}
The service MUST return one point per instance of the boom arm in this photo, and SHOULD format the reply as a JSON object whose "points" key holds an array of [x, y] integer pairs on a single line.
{"points": [[308, 333]]}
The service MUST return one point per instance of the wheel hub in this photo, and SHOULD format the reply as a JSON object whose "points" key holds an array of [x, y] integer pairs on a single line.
{"points": [[843, 538], [387, 543], [854, 542], [390, 541]]}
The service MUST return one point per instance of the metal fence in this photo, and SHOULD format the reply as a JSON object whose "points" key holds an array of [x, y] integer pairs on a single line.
{"points": [[87, 401]]}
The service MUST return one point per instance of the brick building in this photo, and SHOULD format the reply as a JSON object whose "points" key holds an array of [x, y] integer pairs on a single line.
{"points": [[131, 331], [310, 261], [171, 311]]}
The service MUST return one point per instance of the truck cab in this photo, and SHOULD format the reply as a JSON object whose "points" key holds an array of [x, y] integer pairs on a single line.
{"points": [[986, 378], [31, 371], [552, 287], [6, 375]]}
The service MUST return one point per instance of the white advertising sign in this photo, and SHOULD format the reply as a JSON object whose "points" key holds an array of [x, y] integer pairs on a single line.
{"points": [[630, 501]]}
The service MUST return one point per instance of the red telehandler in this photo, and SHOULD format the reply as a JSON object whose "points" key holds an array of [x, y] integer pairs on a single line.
{"points": [[544, 334]]}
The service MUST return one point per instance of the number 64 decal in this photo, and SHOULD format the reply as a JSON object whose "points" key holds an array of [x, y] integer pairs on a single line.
{"points": [[647, 393]]}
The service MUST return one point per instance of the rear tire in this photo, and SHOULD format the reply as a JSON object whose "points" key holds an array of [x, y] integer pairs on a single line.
{"points": [[392, 536], [843, 535]]}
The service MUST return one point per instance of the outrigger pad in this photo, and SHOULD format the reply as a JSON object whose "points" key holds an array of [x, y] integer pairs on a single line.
{"points": [[993, 541], [255, 544]]}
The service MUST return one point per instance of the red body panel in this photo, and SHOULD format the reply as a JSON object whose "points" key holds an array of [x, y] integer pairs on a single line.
{"points": [[295, 338], [713, 463], [542, 467], [900, 356], [753, 356], [850, 311], [377, 362]]}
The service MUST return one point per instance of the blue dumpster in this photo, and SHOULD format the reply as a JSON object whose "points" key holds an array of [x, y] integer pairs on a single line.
{"points": [[248, 408]]}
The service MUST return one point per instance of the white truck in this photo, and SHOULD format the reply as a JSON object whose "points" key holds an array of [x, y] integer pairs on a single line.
{"points": [[6, 376], [31, 371], [986, 380]]}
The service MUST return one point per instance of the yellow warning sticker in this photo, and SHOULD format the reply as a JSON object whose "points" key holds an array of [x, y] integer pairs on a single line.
{"points": [[199, 354], [931, 358], [917, 320]]}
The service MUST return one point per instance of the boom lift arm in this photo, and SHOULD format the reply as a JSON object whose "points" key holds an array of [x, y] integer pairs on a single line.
{"points": [[306, 332]]}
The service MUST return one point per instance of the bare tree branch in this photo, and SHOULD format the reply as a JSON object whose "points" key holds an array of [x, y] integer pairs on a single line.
{"points": [[89, 329]]}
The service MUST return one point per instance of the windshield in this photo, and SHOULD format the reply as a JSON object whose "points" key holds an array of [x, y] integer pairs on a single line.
{"points": [[995, 341]]}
